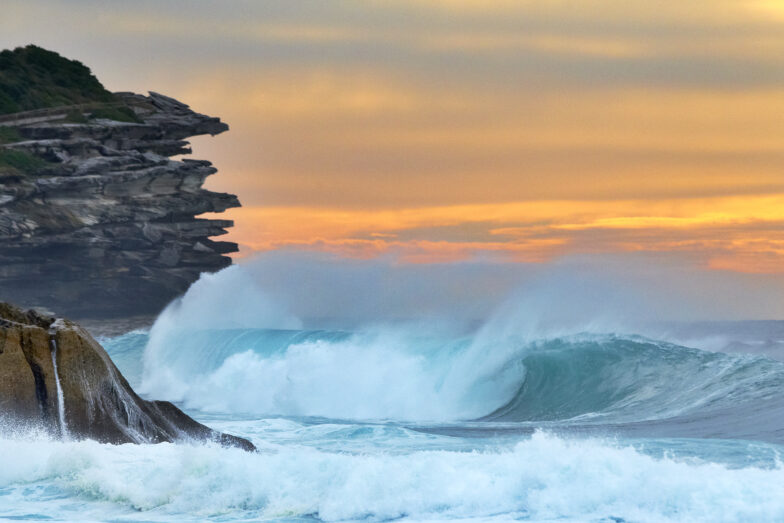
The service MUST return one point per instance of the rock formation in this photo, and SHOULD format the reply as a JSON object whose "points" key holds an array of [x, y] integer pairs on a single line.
{"points": [[54, 375], [99, 221]]}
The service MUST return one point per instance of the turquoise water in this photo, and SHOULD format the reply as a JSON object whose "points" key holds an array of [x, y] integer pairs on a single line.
{"points": [[388, 425]]}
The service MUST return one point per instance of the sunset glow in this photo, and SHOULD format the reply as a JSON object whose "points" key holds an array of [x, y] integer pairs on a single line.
{"points": [[437, 130], [738, 233]]}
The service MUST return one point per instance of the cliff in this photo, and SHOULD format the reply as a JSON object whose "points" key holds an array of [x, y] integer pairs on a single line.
{"points": [[96, 218], [55, 376]]}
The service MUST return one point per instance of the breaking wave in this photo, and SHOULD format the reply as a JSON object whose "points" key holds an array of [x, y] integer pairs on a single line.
{"points": [[540, 478], [397, 376]]}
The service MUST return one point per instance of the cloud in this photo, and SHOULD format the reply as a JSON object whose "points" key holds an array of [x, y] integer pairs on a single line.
{"points": [[712, 232], [450, 129]]}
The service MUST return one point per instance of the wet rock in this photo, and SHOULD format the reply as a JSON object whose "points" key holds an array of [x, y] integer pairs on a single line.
{"points": [[55, 376]]}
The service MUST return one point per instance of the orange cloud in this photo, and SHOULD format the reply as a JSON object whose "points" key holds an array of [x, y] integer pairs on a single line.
{"points": [[738, 233]]}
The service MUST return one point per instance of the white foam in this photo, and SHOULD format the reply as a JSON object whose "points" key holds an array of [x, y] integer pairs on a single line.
{"points": [[541, 478], [385, 375]]}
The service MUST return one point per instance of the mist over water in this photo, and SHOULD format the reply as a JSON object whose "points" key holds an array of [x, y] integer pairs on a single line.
{"points": [[611, 291]]}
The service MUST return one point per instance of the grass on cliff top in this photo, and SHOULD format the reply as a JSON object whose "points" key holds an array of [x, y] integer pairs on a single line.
{"points": [[19, 162], [34, 78]]}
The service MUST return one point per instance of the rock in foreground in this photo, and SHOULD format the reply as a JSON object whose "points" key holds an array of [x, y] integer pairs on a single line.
{"points": [[54, 375]]}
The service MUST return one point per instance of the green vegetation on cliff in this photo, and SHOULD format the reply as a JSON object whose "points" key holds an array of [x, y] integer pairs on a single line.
{"points": [[9, 135], [119, 114], [19, 162], [34, 78]]}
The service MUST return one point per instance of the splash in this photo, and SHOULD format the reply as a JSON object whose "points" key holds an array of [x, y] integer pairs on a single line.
{"points": [[60, 398]]}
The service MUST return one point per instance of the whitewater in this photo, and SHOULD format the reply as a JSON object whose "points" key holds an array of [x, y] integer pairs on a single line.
{"points": [[573, 415]]}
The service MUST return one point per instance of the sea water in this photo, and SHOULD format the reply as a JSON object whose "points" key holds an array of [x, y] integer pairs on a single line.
{"points": [[387, 424], [571, 400]]}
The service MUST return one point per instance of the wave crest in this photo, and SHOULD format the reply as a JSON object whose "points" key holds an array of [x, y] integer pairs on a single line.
{"points": [[395, 375]]}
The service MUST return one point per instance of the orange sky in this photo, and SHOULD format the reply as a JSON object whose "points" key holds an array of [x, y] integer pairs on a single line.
{"points": [[450, 129]]}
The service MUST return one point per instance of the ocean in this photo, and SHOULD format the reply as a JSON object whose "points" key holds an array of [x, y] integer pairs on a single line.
{"points": [[389, 423]]}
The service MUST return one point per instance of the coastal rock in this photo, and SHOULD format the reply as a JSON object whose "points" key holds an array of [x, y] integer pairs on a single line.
{"points": [[55, 376], [104, 224]]}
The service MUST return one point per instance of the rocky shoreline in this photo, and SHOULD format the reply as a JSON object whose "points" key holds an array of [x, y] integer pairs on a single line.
{"points": [[105, 224], [54, 376]]}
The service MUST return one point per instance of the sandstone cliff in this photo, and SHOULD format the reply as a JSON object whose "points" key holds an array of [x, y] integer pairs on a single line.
{"points": [[55, 376], [96, 219]]}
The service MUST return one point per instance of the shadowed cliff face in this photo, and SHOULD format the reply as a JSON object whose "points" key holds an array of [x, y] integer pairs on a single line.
{"points": [[55, 376], [96, 220]]}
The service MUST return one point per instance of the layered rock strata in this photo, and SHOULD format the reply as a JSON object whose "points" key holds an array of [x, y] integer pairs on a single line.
{"points": [[107, 226], [55, 376]]}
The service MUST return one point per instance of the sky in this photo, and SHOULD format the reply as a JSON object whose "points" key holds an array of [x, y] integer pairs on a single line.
{"points": [[446, 130]]}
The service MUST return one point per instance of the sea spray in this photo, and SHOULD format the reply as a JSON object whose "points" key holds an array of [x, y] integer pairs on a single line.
{"points": [[327, 291]]}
